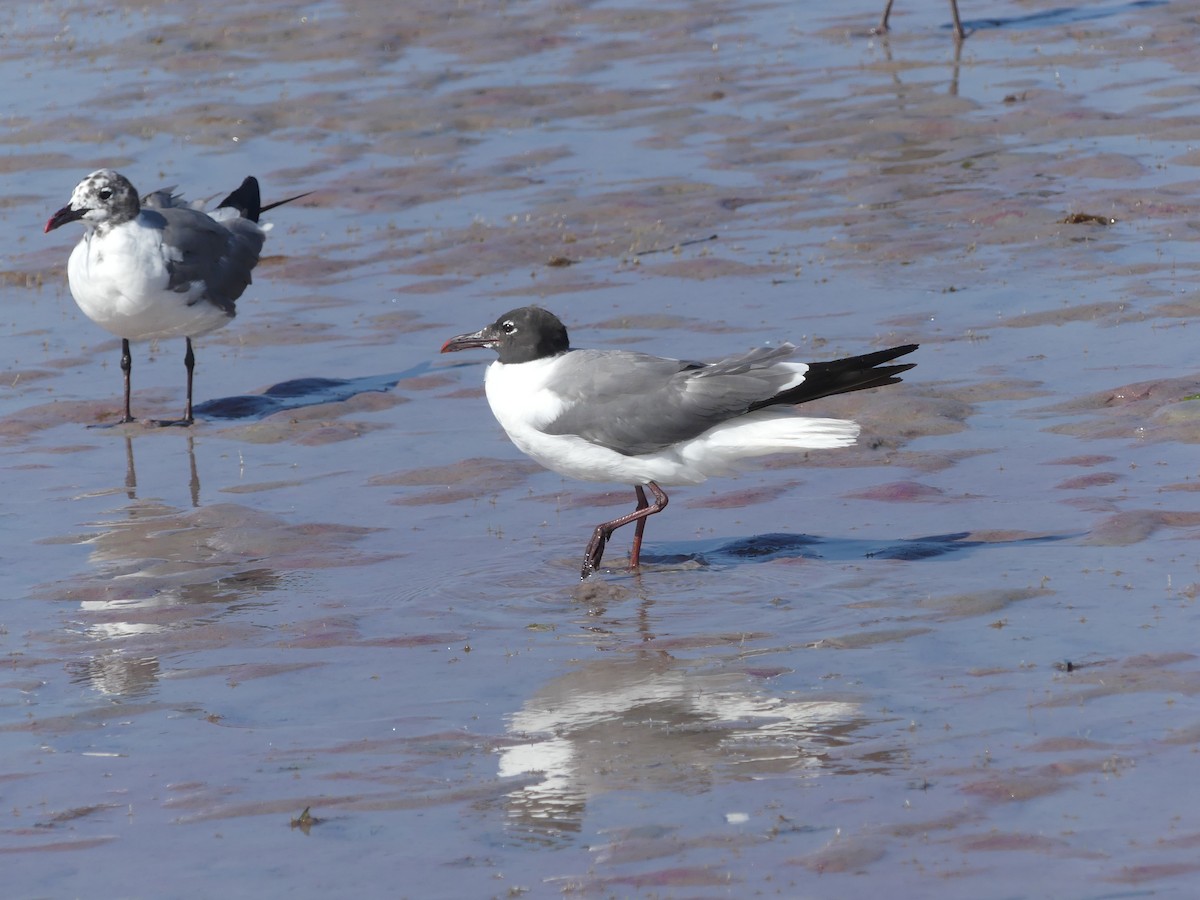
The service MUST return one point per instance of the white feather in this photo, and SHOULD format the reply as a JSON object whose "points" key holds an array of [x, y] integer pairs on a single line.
{"points": [[524, 402]]}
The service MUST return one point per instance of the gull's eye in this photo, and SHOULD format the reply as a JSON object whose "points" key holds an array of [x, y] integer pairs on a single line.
{"points": [[509, 327], [104, 193]]}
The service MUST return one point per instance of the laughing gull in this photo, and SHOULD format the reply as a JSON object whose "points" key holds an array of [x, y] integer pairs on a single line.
{"points": [[160, 267], [617, 415]]}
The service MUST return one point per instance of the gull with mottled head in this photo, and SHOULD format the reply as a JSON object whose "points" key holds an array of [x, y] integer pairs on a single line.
{"points": [[158, 267]]}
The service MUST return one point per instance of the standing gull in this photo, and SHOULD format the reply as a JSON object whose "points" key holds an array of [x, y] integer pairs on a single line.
{"points": [[617, 415], [159, 267]]}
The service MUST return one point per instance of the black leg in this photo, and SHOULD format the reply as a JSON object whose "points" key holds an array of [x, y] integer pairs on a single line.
{"points": [[595, 548], [189, 361], [126, 369]]}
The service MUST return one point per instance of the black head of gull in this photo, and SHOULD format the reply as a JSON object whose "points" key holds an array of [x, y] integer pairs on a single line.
{"points": [[619, 415], [519, 336], [159, 267]]}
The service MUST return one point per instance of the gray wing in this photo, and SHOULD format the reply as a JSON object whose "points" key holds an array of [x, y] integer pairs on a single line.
{"points": [[166, 197], [200, 249], [634, 404]]}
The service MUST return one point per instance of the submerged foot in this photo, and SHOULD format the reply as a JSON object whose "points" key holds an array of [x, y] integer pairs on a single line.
{"points": [[594, 553], [124, 420]]}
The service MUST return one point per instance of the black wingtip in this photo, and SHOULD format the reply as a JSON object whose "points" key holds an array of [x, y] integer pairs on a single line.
{"points": [[288, 200], [870, 360], [246, 199], [842, 376]]}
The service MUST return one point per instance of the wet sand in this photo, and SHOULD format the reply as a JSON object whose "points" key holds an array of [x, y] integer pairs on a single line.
{"points": [[332, 640]]}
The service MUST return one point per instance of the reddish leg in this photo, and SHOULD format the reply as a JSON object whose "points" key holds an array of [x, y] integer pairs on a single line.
{"points": [[595, 548], [882, 27], [959, 33]]}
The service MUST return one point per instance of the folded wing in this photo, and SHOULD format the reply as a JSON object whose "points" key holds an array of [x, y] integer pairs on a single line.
{"points": [[635, 404]]}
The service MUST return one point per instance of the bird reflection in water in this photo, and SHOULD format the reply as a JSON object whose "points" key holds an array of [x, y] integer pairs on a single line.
{"points": [[158, 569], [653, 722], [131, 471], [166, 581]]}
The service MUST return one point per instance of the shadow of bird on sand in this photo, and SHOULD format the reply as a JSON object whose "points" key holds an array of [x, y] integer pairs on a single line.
{"points": [[767, 547], [301, 392]]}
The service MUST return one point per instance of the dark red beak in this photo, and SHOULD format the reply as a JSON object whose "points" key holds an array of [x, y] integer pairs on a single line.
{"points": [[63, 216], [484, 337]]}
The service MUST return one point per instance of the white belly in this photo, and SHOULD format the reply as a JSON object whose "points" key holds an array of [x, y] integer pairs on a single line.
{"points": [[566, 454], [120, 283]]}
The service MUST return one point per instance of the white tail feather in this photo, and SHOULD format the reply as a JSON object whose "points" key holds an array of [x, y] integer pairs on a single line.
{"points": [[764, 432]]}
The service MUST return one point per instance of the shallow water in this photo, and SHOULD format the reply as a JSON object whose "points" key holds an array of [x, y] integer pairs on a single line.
{"points": [[955, 660]]}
